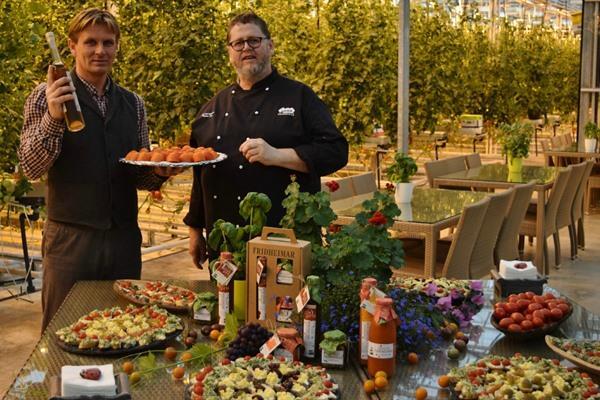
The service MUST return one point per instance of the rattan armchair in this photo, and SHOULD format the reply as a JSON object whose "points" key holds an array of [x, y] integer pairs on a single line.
{"points": [[564, 214], [551, 207], [456, 264], [473, 160], [436, 168], [577, 213], [482, 256], [507, 246]]}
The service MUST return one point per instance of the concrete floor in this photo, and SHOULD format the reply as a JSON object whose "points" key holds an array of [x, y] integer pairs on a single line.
{"points": [[20, 320]]}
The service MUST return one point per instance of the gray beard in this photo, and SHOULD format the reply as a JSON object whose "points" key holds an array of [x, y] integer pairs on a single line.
{"points": [[251, 72]]}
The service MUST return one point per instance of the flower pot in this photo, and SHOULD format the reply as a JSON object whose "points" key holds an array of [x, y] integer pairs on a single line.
{"points": [[404, 191], [590, 145], [515, 165], [239, 299], [405, 211]]}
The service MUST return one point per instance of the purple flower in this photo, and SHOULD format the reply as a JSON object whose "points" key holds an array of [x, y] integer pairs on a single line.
{"points": [[445, 302], [478, 299], [477, 285], [454, 294], [431, 289]]}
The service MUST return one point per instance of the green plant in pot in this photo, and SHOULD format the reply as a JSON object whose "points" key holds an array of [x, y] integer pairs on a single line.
{"points": [[515, 140], [592, 133], [400, 172]]}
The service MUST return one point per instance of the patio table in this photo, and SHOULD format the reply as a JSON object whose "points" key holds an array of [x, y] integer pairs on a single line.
{"points": [[46, 360], [430, 212], [47, 357], [496, 176], [571, 151]]}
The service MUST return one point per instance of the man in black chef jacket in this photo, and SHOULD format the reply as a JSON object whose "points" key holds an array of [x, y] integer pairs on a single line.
{"points": [[269, 126]]}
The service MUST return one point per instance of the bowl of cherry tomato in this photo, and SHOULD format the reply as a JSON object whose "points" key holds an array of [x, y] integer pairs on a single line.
{"points": [[527, 316]]}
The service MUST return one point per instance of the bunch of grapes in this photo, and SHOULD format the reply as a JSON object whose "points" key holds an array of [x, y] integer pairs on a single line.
{"points": [[248, 341]]}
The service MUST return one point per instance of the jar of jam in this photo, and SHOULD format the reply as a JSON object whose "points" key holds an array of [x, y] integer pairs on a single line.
{"points": [[382, 338], [334, 349], [290, 344], [285, 309], [367, 301]]}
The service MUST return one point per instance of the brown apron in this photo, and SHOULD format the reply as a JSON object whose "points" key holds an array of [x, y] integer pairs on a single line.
{"points": [[73, 253]]}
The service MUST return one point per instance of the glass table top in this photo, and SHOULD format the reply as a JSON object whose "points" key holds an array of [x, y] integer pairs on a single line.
{"points": [[499, 173], [428, 205]]}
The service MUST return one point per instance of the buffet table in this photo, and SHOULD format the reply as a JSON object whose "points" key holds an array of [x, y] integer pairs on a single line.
{"points": [[47, 358]]}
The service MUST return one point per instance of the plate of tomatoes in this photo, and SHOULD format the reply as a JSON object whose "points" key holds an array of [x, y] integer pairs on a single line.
{"points": [[527, 316], [185, 156]]}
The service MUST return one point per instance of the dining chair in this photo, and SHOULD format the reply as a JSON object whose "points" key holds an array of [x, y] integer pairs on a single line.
{"points": [[473, 160], [577, 209], [592, 183], [344, 191], [456, 264], [563, 215], [482, 255], [364, 183], [507, 246], [556, 142], [568, 139], [528, 226], [546, 148], [436, 168]]}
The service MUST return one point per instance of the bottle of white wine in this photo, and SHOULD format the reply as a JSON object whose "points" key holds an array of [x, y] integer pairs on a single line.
{"points": [[71, 108]]}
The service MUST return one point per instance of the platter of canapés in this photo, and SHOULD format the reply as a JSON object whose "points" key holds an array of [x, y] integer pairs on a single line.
{"points": [[115, 331], [520, 378], [170, 297], [259, 377], [175, 156], [526, 315], [584, 353]]}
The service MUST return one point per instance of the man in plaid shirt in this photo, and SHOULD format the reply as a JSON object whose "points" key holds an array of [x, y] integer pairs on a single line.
{"points": [[92, 231]]}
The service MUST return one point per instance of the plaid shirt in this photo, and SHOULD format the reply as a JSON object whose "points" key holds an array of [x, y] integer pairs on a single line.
{"points": [[41, 138]]}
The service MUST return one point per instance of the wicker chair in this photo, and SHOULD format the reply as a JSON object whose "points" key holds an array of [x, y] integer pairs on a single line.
{"points": [[592, 183], [364, 183], [564, 214], [473, 160], [482, 256], [459, 254], [507, 246], [433, 169], [345, 190], [551, 207], [545, 148], [577, 209]]}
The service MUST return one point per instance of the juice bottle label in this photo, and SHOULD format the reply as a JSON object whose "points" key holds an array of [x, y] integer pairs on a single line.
{"points": [[202, 315], [365, 326], [262, 303], [223, 306], [382, 351], [335, 358], [309, 333]]}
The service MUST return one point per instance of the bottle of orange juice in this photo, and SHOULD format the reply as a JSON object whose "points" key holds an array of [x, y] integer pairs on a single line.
{"points": [[382, 338], [367, 300]]}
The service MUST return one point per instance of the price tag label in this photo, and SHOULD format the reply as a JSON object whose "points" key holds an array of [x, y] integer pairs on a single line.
{"points": [[378, 293], [367, 305], [303, 298], [224, 272], [270, 345]]}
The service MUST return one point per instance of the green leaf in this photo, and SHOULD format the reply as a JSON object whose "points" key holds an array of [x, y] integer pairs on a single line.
{"points": [[146, 363]]}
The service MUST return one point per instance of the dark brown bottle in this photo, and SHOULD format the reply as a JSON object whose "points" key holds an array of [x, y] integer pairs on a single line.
{"points": [[71, 108]]}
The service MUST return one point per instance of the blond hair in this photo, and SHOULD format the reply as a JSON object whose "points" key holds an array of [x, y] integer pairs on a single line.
{"points": [[91, 17]]}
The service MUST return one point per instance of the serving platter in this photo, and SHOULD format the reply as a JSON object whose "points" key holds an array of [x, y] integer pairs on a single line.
{"points": [[533, 333], [220, 157], [129, 293], [592, 368]]}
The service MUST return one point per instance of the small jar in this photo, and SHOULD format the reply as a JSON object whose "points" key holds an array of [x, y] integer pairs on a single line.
{"points": [[290, 344], [336, 358], [285, 309]]}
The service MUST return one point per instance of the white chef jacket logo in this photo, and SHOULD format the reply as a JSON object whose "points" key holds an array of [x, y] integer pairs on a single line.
{"points": [[287, 111], [207, 115]]}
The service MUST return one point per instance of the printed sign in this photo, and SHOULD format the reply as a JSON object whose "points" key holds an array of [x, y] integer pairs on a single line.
{"points": [[270, 345], [303, 298], [224, 272]]}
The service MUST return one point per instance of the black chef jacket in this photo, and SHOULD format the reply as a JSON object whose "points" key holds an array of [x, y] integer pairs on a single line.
{"points": [[283, 112]]}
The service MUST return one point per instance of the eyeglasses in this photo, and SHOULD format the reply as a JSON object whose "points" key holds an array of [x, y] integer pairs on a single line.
{"points": [[253, 43]]}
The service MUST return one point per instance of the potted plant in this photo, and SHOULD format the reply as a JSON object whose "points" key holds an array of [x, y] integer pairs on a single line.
{"points": [[592, 132], [515, 140], [400, 172]]}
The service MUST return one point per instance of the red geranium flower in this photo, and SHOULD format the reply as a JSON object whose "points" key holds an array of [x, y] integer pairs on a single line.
{"points": [[389, 187], [333, 186], [378, 219], [334, 228]]}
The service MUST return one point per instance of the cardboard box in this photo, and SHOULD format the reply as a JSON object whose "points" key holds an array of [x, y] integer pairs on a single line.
{"points": [[273, 251]]}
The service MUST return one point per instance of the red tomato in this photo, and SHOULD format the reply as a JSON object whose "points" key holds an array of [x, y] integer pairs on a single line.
{"points": [[526, 325], [539, 299], [538, 322], [517, 317], [551, 304], [511, 308], [513, 298], [534, 307], [556, 314], [499, 305], [549, 296], [505, 322], [563, 307], [499, 313], [546, 313], [523, 304], [522, 296], [530, 295], [529, 317], [538, 314], [514, 328]]}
